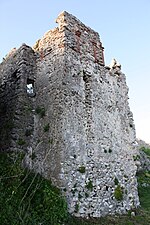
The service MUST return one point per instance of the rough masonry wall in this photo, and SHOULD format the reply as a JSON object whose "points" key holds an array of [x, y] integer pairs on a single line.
{"points": [[16, 117], [82, 132], [98, 129]]}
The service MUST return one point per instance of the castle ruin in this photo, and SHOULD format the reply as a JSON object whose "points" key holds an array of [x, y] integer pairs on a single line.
{"points": [[69, 113]]}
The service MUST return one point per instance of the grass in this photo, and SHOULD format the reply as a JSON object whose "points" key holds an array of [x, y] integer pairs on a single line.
{"points": [[28, 199], [144, 189]]}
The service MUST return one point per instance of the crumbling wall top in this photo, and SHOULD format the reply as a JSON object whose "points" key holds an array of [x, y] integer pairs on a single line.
{"points": [[81, 38], [66, 19]]}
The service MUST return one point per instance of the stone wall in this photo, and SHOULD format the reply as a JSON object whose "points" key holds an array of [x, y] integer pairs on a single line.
{"points": [[76, 124], [16, 117], [143, 158]]}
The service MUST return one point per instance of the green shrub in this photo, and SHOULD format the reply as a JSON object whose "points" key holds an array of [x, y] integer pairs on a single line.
{"points": [[89, 185], [46, 127], [116, 181], [118, 193], [81, 169], [40, 111]]}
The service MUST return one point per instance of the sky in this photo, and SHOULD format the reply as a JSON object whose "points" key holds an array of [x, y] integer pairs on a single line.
{"points": [[124, 28]]}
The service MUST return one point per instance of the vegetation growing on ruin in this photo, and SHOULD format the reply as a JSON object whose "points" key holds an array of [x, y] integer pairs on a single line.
{"points": [[146, 150], [21, 141], [118, 193], [89, 185], [81, 169], [40, 111], [46, 127], [28, 199], [116, 181], [144, 188]]}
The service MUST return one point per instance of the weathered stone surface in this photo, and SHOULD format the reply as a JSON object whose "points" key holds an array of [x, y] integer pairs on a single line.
{"points": [[143, 160], [77, 129]]}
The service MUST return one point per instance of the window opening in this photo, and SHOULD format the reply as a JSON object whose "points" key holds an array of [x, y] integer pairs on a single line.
{"points": [[30, 87]]}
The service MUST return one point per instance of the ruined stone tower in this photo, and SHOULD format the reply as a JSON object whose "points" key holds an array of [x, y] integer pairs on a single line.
{"points": [[69, 113]]}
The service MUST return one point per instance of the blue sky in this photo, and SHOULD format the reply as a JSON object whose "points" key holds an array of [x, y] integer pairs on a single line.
{"points": [[124, 28]]}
